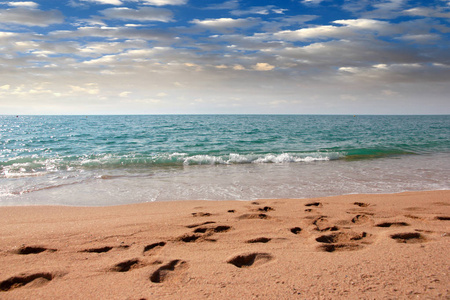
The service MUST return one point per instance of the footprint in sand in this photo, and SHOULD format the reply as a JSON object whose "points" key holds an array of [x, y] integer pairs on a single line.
{"points": [[259, 240], [167, 271], [200, 214], [322, 224], [343, 241], [443, 218], [98, 250], [104, 249], [361, 204], [202, 234], [409, 237], [392, 224], [296, 230], [265, 208], [35, 280], [212, 229], [152, 247], [316, 204], [127, 265], [25, 250], [254, 216], [361, 219], [200, 224], [250, 259]]}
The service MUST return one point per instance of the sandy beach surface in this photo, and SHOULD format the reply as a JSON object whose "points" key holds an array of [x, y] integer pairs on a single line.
{"points": [[392, 246]]}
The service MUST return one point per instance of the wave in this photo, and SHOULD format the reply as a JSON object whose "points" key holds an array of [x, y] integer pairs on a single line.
{"points": [[39, 166]]}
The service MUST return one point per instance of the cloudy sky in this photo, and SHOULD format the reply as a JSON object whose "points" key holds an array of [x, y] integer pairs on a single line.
{"points": [[219, 56]]}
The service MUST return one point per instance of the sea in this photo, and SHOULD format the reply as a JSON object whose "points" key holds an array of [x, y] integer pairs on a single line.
{"points": [[124, 159]]}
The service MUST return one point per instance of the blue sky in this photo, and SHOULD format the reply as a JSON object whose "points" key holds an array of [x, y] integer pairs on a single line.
{"points": [[236, 56]]}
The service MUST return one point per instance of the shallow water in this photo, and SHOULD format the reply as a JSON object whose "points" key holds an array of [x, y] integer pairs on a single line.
{"points": [[109, 160]]}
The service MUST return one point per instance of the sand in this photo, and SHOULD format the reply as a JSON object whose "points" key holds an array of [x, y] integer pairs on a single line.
{"points": [[356, 246]]}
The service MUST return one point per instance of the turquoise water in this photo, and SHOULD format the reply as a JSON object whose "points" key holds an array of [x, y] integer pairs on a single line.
{"points": [[107, 160]]}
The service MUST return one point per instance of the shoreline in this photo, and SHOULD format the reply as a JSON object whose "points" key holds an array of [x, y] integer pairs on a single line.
{"points": [[349, 246]]}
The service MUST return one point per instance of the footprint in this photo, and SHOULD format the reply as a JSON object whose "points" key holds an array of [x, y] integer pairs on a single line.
{"points": [[409, 237], [317, 204], [343, 241], [211, 230], [98, 250], [37, 279], [443, 218], [254, 216], [25, 250], [186, 238], [194, 238], [340, 247], [322, 224], [259, 240], [200, 224], [392, 224], [167, 270], [127, 265], [251, 259], [231, 211], [361, 219], [201, 214], [154, 246], [296, 230], [361, 204], [265, 208], [341, 237]]}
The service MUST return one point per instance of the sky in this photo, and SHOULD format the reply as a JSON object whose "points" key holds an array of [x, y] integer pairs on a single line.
{"points": [[225, 57]]}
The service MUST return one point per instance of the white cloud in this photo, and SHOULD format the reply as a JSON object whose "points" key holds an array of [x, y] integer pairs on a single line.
{"points": [[4, 35], [420, 38], [23, 4], [259, 10], [427, 12], [141, 14], [124, 94], [165, 2], [225, 23], [89, 88], [263, 67], [363, 23], [109, 2], [312, 33], [30, 16]]}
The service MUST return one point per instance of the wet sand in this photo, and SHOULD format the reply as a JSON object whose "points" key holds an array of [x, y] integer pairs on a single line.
{"points": [[355, 246]]}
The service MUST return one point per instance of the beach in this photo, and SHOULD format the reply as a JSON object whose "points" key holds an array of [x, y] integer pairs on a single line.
{"points": [[366, 246]]}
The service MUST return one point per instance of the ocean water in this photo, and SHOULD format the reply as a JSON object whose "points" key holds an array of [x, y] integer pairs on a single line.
{"points": [[111, 160]]}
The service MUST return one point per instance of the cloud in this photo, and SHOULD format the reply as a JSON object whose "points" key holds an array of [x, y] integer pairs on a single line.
{"points": [[127, 33], [421, 38], [29, 4], [223, 24], [141, 14], [164, 2], [427, 12], [110, 2], [263, 67], [347, 29], [259, 10], [30, 16]]}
